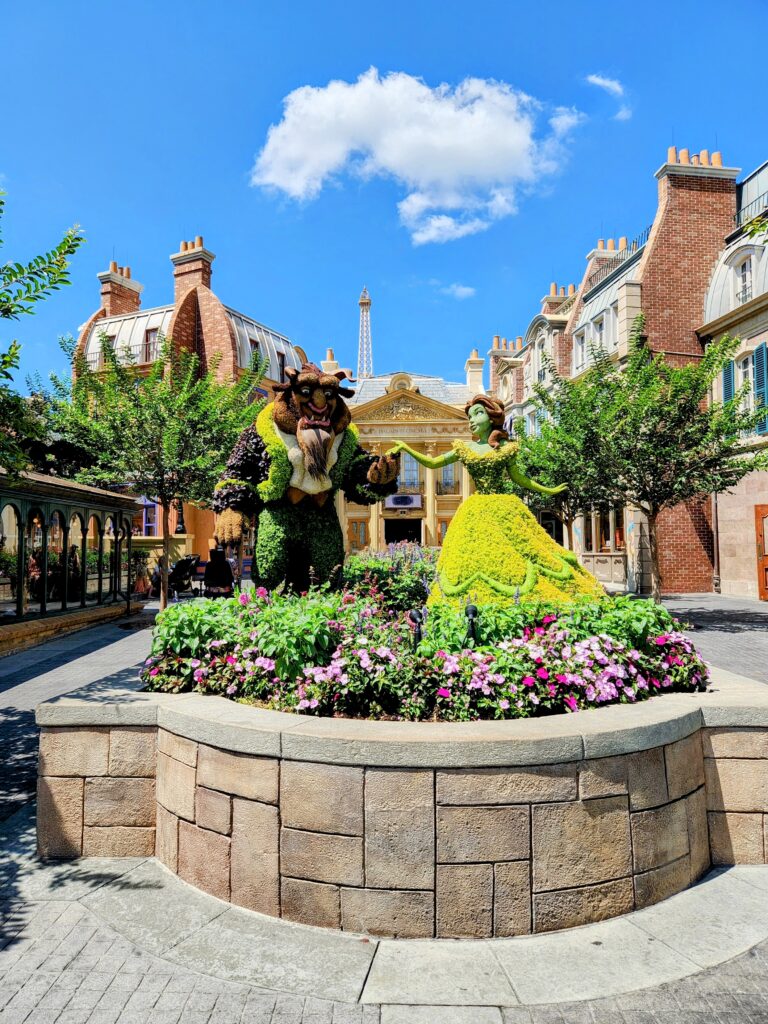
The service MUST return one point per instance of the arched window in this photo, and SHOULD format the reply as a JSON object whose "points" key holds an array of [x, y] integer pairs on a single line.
{"points": [[744, 280], [9, 561]]}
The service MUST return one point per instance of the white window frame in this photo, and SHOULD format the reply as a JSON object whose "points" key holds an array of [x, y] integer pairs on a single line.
{"points": [[598, 332], [745, 373], [580, 349]]}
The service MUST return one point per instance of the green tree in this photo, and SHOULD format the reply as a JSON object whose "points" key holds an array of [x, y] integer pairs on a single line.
{"points": [[666, 440], [22, 285], [166, 434], [568, 445]]}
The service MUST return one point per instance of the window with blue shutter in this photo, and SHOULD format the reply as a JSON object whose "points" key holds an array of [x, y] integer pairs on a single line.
{"points": [[761, 385], [728, 382]]}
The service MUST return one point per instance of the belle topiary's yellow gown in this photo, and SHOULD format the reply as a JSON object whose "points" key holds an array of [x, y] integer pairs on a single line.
{"points": [[495, 551]]}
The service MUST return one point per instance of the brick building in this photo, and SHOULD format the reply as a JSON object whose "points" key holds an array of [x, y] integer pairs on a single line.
{"points": [[198, 320], [666, 272]]}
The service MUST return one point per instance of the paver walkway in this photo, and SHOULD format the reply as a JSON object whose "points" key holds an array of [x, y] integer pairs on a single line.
{"points": [[730, 632]]}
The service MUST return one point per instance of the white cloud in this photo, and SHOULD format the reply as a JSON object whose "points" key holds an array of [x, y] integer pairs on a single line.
{"points": [[624, 113], [461, 154], [611, 85], [459, 291]]}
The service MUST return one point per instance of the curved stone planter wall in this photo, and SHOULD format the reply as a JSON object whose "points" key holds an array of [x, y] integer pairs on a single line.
{"points": [[412, 830]]}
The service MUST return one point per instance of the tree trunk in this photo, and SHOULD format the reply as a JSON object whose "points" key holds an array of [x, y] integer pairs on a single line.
{"points": [[653, 545], [166, 558]]}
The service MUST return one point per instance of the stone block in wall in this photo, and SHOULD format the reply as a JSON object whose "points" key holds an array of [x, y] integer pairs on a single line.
{"points": [[176, 786], [540, 784], [394, 913], [491, 833], [177, 747], [254, 778], [586, 841], [321, 858], [641, 775], [204, 859], [255, 856], [659, 836], [76, 752], [321, 797], [59, 817], [660, 883], [213, 810], [512, 898], [128, 802], [735, 742], [167, 839], [133, 751], [736, 784], [399, 828], [314, 903], [698, 833], [736, 838], [117, 841], [464, 897], [685, 766], [569, 908]]}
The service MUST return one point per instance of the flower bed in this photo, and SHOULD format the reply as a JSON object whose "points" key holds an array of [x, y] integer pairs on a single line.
{"points": [[351, 653]]}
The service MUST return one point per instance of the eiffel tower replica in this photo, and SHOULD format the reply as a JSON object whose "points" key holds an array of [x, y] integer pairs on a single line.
{"points": [[365, 352]]}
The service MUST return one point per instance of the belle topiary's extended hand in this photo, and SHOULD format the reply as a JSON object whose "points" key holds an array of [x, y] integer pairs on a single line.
{"points": [[530, 485], [384, 470], [229, 527], [396, 448]]}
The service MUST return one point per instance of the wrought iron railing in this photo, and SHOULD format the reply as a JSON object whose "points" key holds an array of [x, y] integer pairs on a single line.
{"points": [[608, 266], [751, 210], [744, 294]]}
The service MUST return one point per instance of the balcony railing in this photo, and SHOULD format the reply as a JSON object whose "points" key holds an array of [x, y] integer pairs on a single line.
{"points": [[751, 210], [744, 294], [448, 488], [608, 266]]}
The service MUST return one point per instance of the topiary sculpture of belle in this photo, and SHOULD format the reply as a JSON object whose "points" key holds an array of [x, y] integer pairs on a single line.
{"points": [[494, 550]]}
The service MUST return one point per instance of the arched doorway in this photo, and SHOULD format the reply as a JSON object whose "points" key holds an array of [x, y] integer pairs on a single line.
{"points": [[57, 563], [93, 561], [9, 561], [75, 561]]}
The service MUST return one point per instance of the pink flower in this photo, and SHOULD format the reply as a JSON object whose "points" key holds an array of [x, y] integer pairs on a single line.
{"points": [[442, 692], [661, 640], [549, 618], [529, 681], [231, 689], [243, 599], [154, 671], [230, 660], [262, 592], [571, 703], [504, 704], [542, 673]]}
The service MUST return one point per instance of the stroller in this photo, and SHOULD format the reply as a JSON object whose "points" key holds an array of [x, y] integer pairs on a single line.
{"points": [[179, 578]]}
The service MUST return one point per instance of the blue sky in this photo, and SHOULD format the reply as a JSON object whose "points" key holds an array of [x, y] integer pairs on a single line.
{"points": [[148, 123]]}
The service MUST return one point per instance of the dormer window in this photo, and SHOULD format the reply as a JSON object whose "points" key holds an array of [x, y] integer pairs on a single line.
{"points": [[149, 348], [744, 280], [598, 333]]}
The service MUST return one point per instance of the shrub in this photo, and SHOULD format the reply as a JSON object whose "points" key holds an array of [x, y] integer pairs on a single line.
{"points": [[402, 575], [330, 653]]}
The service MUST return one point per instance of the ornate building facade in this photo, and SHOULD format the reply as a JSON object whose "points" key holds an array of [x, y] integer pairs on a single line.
{"points": [[695, 275], [428, 413]]}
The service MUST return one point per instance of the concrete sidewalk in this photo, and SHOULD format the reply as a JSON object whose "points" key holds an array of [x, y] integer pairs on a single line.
{"points": [[107, 941]]}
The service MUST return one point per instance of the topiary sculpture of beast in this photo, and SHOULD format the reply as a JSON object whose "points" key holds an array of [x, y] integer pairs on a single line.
{"points": [[286, 469]]}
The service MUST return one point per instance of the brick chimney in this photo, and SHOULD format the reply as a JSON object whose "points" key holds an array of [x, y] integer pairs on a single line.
{"points": [[474, 371], [191, 267], [119, 294]]}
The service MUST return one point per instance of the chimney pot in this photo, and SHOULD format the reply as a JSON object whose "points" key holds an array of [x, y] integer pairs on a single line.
{"points": [[611, 245], [127, 273], [329, 355], [704, 157], [717, 159], [571, 289], [504, 344], [473, 354], [198, 241], [684, 157], [672, 155], [553, 289], [182, 247], [112, 267], [562, 290], [623, 242], [495, 341], [695, 160], [600, 243]]}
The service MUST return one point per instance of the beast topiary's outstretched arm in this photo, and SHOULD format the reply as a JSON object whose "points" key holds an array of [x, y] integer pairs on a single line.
{"points": [[356, 483]]}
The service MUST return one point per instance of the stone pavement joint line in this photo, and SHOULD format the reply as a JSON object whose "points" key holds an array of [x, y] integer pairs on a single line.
{"points": [[127, 942]]}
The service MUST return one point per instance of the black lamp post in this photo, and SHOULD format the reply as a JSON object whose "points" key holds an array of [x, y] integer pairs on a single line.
{"points": [[180, 525]]}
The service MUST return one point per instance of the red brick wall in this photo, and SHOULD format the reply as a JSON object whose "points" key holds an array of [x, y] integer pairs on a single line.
{"points": [[695, 214], [117, 300], [686, 548], [190, 274]]}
